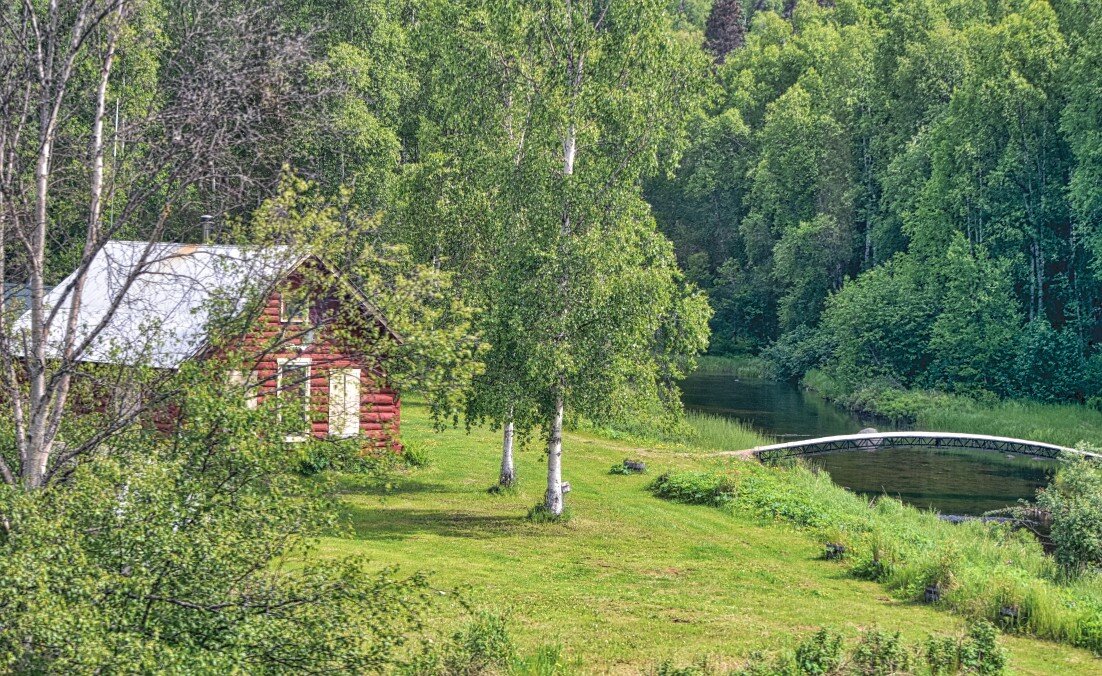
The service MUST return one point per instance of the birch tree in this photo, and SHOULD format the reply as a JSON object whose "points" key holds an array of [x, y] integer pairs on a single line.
{"points": [[79, 144], [607, 316]]}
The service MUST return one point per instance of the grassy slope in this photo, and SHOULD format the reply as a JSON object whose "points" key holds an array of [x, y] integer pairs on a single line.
{"points": [[631, 579]]}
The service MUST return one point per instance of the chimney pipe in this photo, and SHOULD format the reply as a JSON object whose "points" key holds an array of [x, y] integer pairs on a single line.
{"points": [[205, 220]]}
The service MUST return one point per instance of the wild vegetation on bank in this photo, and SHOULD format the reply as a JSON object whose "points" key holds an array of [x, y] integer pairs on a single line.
{"points": [[982, 571], [1066, 424]]}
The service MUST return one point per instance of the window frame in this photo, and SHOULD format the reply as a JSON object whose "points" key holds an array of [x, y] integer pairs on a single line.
{"points": [[296, 362], [302, 315], [340, 376]]}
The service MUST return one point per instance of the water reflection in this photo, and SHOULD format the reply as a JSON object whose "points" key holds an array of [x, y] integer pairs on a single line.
{"points": [[951, 482]]}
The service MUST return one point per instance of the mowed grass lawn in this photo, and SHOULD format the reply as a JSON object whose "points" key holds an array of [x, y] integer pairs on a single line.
{"points": [[631, 579]]}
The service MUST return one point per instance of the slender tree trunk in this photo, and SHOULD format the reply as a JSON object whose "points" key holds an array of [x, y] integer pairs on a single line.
{"points": [[1039, 267], [508, 470], [553, 500]]}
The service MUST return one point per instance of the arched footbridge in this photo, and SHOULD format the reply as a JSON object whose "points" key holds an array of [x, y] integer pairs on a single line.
{"points": [[869, 441]]}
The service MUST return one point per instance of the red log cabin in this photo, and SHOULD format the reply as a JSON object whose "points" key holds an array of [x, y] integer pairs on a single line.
{"points": [[151, 304]]}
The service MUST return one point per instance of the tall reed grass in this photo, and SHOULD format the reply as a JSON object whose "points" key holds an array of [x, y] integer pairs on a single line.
{"points": [[719, 433], [745, 366]]}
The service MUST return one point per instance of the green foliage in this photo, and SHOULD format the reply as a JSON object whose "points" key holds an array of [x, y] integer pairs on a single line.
{"points": [[981, 653], [192, 552], [906, 182], [721, 433], [820, 654], [744, 366], [1063, 424], [877, 653], [969, 337], [695, 488], [977, 653], [483, 647], [1074, 502], [881, 654]]}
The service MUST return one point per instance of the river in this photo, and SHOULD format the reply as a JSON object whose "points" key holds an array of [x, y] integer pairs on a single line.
{"points": [[965, 483]]}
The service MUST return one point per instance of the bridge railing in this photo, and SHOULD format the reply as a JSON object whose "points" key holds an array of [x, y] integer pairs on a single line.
{"points": [[946, 440]]}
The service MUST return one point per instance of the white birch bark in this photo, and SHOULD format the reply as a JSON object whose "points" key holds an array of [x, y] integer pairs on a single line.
{"points": [[508, 475], [553, 499]]}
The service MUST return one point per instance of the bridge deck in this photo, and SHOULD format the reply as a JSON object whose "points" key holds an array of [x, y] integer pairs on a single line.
{"points": [[871, 441]]}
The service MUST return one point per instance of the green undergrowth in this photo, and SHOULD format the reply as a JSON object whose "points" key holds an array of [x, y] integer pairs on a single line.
{"points": [[874, 653], [980, 568], [1064, 424]]}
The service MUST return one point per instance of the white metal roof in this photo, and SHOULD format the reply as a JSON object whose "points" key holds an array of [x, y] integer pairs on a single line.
{"points": [[161, 319]]}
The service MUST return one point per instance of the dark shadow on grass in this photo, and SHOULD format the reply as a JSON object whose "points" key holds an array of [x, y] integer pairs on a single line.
{"points": [[383, 523], [391, 486]]}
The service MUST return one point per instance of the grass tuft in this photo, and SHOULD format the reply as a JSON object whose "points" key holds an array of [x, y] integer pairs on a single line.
{"points": [[540, 514]]}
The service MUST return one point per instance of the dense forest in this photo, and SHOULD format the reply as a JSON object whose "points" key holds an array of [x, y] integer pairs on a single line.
{"points": [[901, 191]]}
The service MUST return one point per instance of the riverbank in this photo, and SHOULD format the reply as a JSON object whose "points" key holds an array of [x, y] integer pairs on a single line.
{"points": [[630, 580], [1068, 425], [982, 571]]}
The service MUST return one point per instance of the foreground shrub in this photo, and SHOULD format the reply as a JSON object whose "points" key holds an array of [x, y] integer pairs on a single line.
{"points": [[820, 654], [354, 455], [695, 488], [485, 646], [881, 654], [191, 553], [874, 653], [1074, 502]]}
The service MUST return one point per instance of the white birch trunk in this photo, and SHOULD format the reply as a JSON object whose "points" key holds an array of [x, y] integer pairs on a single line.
{"points": [[553, 500], [508, 475]]}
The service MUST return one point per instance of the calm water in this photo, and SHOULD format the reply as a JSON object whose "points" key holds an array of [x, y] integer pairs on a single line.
{"points": [[949, 482]]}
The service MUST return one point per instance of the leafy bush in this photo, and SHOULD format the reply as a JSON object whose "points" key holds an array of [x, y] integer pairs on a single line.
{"points": [[875, 653], [354, 455], [1074, 501], [881, 654], [482, 647], [192, 553], [820, 654], [981, 653], [942, 655], [695, 488], [415, 455]]}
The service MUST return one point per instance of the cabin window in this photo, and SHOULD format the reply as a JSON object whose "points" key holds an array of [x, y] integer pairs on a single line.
{"points": [[293, 310], [344, 403], [246, 383], [293, 398]]}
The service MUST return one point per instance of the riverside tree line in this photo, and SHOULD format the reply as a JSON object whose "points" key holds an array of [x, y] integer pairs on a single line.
{"points": [[905, 192]]}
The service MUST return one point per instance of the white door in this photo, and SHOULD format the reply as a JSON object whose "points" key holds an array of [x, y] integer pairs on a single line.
{"points": [[344, 402]]}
